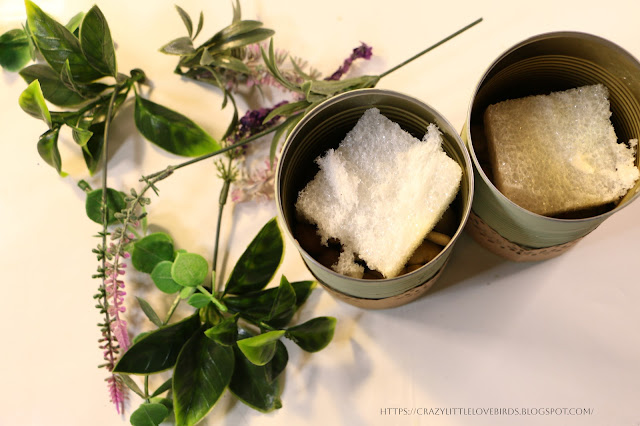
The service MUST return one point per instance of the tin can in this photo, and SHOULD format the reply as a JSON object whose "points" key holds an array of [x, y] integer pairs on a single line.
{"points": [[325, 127], [539, 65]]}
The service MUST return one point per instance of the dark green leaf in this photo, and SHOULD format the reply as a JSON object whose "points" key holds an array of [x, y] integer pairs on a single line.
{"points": [[115, 204], [67, 79], [149, 312], [225, 332], [149, 414], [189, 269], [52, 88], [32, 102], [140, 336], [151, 250], [260, 349], [96, 43], [284, 305], [254, 385], [132, 385], [202, 373], [314, 334], [259, 262], [163, 388], [258, 305], [48, 149], [235, 29], [180, 46], [186, 19], [161, 276], [15, 51], [92, 150], [159, 349], [57, 44], [172, 131], [199, 300]]}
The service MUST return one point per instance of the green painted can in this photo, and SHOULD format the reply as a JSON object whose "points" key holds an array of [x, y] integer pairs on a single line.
{"points": [[324, 128], [540, 65]]}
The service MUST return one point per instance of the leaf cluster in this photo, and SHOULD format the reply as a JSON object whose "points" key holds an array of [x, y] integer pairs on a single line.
{"points": [[233, 340], [79, 73]]}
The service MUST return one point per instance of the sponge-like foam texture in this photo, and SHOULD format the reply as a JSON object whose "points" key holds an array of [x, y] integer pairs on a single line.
{"points": [[559, 152], [380, 193]]}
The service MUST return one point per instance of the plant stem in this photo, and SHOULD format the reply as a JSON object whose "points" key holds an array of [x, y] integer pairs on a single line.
{"points": [[214, 153], [428, 49], [224, 194], [172, 309], [219, 305]]}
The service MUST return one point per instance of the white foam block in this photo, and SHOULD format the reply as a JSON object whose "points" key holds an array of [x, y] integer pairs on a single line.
{"points": [[559, 152], [380, 193]]}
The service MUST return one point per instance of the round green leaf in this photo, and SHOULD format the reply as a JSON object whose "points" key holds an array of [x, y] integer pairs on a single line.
{"points": [[115, 203], [189, 269], [151, 250], [15, 51], [199, 300], [149, 415], [161, 276]]}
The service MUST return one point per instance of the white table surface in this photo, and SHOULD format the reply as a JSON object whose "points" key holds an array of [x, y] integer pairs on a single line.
{"points": [[492, 334]]}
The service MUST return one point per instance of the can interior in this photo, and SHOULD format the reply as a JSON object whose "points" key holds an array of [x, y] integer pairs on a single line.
{"points": [[557, 62]]}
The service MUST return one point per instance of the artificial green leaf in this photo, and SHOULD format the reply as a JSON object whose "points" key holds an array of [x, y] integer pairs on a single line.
{"points": [[224, 61], [314, 334], [270, 61], [15, 51], [80, 135], [167, 402], [252, 384], [225, 332], [96, 43], [74, 22], [258, 305], [92, 150], [172, 131], [159, 349], [189, 269], [243, 39], [209, 315], [163, 387], [52, 88], [200, 24], [149, 414], [278, 363], [32, 102], [202, 373], [259, 262], [286, 110], [284, 305], [180, 46], [149, 312], [131, 384], [199, 300], [115, 204], [186, 19], [333, 87], [186, 292], [48, 149], [237, 28], [161, 276], [57, 44], [260, 349], [151, 250], [140, 336]]}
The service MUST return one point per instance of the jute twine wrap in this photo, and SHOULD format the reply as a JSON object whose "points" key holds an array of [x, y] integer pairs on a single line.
{"points": [[387, 302], [488, 238]]}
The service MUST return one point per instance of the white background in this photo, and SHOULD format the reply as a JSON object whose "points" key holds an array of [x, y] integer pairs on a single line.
{"points": [[492, 333]]}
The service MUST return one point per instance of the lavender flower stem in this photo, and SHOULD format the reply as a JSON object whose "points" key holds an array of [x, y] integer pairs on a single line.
{"points": [[428, 49]]}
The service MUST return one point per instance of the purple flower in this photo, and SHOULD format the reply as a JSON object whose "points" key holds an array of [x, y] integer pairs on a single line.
{"points": [[252, 122], [117, 391], [361, 52]]}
